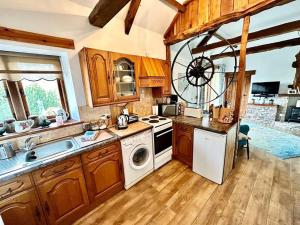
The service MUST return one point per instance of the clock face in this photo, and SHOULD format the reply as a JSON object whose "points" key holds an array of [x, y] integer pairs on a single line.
{"points": [[201, 78]]}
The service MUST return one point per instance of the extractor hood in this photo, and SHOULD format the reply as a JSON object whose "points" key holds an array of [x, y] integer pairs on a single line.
{"points": [[152, 73]]}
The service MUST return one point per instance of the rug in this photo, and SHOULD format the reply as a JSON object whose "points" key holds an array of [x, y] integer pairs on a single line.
{"points": [[278, 143]]}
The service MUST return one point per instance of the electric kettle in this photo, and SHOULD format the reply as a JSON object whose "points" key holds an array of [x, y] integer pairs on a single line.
{"points": [[122, 121]]}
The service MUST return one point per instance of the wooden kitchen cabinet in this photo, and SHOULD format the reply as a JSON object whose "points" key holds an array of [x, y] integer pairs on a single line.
{"points": [[104, 175], [97, 77], [22, 209], [125, 70], [64, 198], [109, 77], [183, 143], [165, 90]]}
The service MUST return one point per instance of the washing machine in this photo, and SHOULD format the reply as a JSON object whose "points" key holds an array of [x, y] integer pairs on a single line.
{"points": [[137, 154]]}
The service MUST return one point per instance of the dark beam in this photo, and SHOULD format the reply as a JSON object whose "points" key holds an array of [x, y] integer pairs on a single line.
{"points": [[269, 32], [207, 37], [261, 48], [133, 8], [174, 3], [105, 10]]}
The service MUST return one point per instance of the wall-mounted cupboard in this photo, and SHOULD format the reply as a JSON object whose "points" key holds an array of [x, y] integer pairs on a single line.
{"points": [[111, 77]]}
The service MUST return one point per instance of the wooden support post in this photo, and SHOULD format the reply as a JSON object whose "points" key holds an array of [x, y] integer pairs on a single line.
{"points": [[242, 68]]}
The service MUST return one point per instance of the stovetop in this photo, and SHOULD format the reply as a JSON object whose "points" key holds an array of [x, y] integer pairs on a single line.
{"points": [[155, 120]]}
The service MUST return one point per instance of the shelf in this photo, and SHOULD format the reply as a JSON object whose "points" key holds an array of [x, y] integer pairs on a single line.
{"points": [[124, 71], [289, 95]]}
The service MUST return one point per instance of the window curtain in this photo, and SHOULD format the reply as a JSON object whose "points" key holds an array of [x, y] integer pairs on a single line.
{"points": [[20, 66]]}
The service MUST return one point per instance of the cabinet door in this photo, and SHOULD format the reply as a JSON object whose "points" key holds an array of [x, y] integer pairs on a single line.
{"points": [[64, 198], [167, 71], [183, 144], [104, 177], [99, 77], [125, 77], [21, 209]]}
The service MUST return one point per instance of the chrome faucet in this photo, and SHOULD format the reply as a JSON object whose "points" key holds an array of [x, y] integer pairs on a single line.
{"points": [[30, 144]]}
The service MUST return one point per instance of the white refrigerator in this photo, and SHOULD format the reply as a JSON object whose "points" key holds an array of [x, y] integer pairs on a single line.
{"points": [[209, 154]]}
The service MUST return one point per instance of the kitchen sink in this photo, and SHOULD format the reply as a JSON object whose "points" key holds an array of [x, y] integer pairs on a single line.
{"points": [[50, 149]]}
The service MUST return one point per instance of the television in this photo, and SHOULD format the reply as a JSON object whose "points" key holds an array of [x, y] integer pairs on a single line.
{"points": [[265, 88]]}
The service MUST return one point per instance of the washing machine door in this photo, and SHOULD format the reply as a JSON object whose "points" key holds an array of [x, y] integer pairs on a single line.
{"points": [[140, 157]]}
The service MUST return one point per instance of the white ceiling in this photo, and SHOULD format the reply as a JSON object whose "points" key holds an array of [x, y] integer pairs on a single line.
{"points": [[154, 15]]}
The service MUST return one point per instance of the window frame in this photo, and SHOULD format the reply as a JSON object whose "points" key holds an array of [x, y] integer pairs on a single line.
{"points": [[17, 99]]}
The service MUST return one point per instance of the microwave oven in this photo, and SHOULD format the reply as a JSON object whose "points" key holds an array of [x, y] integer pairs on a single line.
{"points": [[168, 109]]}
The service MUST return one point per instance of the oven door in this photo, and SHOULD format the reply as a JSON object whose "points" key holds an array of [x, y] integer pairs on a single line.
{"points": [[163, 141]]}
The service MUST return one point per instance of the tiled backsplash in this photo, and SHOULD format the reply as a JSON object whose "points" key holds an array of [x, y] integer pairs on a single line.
{"points": [[142, 107]]}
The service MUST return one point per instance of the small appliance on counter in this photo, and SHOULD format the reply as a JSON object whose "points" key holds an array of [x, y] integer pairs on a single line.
{"points": [[132, 118], [122, 121], [6, 151], [193, 112], [168, 109]]}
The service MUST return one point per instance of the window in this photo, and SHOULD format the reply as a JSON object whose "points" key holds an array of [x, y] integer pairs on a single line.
{"points": [[5, 109], [30, 85], [41, 96]]}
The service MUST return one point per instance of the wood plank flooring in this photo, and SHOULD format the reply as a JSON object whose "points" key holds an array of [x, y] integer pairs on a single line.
{"points": [[264, 190]]}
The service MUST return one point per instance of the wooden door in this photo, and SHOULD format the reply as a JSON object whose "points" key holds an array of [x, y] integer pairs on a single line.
{"points": [[64, 198], [125, 90], [183, 143], [22, 209], [104, 177], [98, 79]]}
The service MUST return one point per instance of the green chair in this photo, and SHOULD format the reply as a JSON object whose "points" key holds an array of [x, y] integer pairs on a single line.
{"points": [[243, 138]]}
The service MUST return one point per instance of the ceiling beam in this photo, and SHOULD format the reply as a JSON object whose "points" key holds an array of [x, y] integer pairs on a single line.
{"points": [[207, 37], [35, 38], [261, 48], [174, 3], [105, 10], [269, 32], [133, 8]]}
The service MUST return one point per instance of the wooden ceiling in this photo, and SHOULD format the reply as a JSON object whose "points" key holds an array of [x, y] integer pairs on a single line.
{"points": [[204, 15]]}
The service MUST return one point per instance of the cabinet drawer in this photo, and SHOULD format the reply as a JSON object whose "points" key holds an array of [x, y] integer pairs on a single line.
{"points": [[55, 170], [101, 152], [14, 186]]}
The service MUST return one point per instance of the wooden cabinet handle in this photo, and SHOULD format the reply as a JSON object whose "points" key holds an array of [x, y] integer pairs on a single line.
{"points": [[11, 190], [61, 170], [38, 214], [103, 153], [47, 208]]}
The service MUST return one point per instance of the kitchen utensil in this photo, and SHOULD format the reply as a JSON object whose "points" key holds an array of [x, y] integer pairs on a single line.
{"points": [[61, 112], [155, 110], [3, 127], [6, 151], [122, 121]]}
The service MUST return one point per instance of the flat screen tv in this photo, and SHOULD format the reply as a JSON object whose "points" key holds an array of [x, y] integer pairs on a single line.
{"points": [[265, 88]]}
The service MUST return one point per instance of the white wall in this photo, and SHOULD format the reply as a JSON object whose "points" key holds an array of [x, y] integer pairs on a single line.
{"points": [[112, 37]]}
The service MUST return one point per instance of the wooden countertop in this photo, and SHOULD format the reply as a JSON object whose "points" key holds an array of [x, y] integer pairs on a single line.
{"points": [[204, 123], [132, 129]]}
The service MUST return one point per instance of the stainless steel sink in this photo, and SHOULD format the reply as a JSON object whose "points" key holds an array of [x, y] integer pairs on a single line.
{"points": [[51, 149]]}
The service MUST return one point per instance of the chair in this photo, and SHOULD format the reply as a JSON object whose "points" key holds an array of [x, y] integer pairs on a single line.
{"points": [[243, 138]]}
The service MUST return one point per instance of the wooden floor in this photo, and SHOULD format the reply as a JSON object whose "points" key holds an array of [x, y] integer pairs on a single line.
{"points": [[263, 190]]}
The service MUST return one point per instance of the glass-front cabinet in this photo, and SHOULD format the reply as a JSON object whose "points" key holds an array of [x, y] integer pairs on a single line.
{"points": [[125, 76]]}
